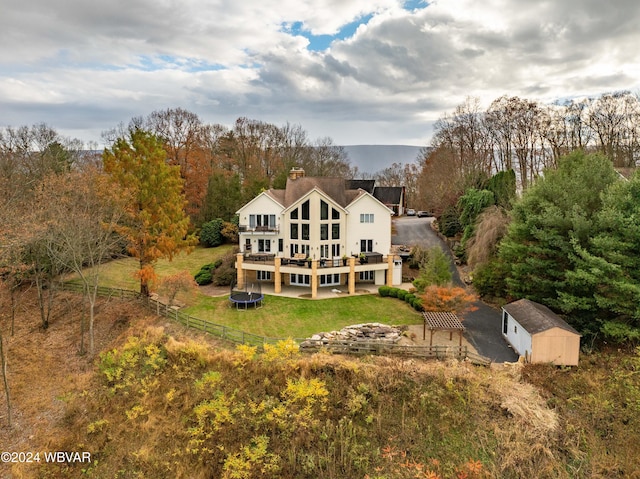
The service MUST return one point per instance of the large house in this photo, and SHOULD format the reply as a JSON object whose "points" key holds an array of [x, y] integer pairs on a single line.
{"points": [[317, 232]]}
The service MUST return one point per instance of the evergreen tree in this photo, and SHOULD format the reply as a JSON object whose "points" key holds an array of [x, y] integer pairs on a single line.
{"points": [[553, 217], [608, 267]]}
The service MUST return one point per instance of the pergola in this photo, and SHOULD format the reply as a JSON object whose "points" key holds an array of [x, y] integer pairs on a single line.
{"points": [[441, 321]]}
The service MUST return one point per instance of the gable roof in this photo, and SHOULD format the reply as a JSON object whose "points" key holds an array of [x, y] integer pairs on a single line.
{"points": [[389, 195], [535, 317], [335, 188], [264, 193], [366, 185]]}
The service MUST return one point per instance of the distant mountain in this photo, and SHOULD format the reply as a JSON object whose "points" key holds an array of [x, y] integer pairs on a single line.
{"points": [[373, 158]]}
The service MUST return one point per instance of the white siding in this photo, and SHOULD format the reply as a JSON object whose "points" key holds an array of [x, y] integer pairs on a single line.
{"points": [[379, 230], [517, 336]]}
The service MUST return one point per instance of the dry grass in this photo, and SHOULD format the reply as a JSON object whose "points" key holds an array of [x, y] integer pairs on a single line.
{"points": [[517, 421]]}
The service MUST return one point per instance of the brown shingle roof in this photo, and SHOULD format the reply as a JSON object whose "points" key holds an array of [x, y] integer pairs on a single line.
{"points": [[335, 188], [535, 317]]}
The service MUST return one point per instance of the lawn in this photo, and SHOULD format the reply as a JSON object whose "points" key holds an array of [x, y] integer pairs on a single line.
{"points": [[280, 317], [119, 273]]}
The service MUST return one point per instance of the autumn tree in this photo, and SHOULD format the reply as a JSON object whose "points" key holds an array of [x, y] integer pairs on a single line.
{"points": [[447, 298], [180, 285], [155, 224]]}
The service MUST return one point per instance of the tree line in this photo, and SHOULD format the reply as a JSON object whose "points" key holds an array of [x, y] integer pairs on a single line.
{"points": [[525, 136]]}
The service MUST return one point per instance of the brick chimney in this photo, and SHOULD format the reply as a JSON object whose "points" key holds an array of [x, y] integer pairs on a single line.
{"points": [[296, 173]]}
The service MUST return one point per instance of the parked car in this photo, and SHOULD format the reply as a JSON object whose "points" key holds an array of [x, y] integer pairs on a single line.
{"points": [[411, 212], [422, 214]]}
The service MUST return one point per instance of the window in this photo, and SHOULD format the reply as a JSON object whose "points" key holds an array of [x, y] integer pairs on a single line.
{"points": [[305, 210], [366, 246], [335, 214], [335, 250], [366, 217], [300, 279], [294, 249], [262, 221], [324, 232], [367, 275], [294, 214], [264, 246], [324, 210], [263, 275], [280, 245], [305, 231], [505, 323], [324, 251], [329, 279], [294, 230], [335, 231], [247, 244]]}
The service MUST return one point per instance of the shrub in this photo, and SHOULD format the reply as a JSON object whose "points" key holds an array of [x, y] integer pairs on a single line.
{"points": [[417, 305], [225, 274], [211, 233], [205, 275], [384, 291], [402, 293], [393, 292]]}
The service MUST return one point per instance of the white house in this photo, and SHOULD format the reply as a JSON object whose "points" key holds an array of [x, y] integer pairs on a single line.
{"points": [[539, 335], [316, 232]]}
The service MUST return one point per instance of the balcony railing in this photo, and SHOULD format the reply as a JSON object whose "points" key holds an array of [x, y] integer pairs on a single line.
{"points": [[258, 229], [268, 258]]}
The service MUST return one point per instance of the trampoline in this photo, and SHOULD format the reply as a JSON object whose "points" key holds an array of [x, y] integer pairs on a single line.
{"points": [[250, 295]]}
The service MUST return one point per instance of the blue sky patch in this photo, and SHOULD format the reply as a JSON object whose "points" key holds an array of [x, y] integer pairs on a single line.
{"points": [[318, 43], [411, 5], [164, 62]]}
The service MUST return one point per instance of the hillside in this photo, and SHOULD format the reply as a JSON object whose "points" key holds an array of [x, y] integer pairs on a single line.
{"points": [[373, 158], [162, 401]]}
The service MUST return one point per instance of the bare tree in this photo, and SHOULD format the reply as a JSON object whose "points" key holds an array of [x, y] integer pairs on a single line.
{"points": [[81, 212]]}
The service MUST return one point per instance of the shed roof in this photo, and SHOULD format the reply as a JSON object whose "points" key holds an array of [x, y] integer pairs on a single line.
{"points": [[535, 317]]}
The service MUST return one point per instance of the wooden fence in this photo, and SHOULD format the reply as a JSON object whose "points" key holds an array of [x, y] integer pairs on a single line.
{"points": [[306, 345]]}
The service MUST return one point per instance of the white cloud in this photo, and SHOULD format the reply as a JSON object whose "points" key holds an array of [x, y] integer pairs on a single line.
{"points": [[85, 67]]}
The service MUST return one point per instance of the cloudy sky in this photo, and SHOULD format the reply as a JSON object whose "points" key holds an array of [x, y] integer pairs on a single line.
{"points": [[358, 71]]}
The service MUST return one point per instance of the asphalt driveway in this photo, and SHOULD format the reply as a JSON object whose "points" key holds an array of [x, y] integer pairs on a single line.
{"points": [[484, 325]]}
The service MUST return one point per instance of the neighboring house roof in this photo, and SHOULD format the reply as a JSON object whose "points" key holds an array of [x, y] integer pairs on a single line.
{"points": [[366, 185], [535, 317], [389, 195]]}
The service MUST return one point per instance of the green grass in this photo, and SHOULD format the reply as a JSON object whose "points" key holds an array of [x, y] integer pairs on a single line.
{"points": [[282, 317], [120, 273]]}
